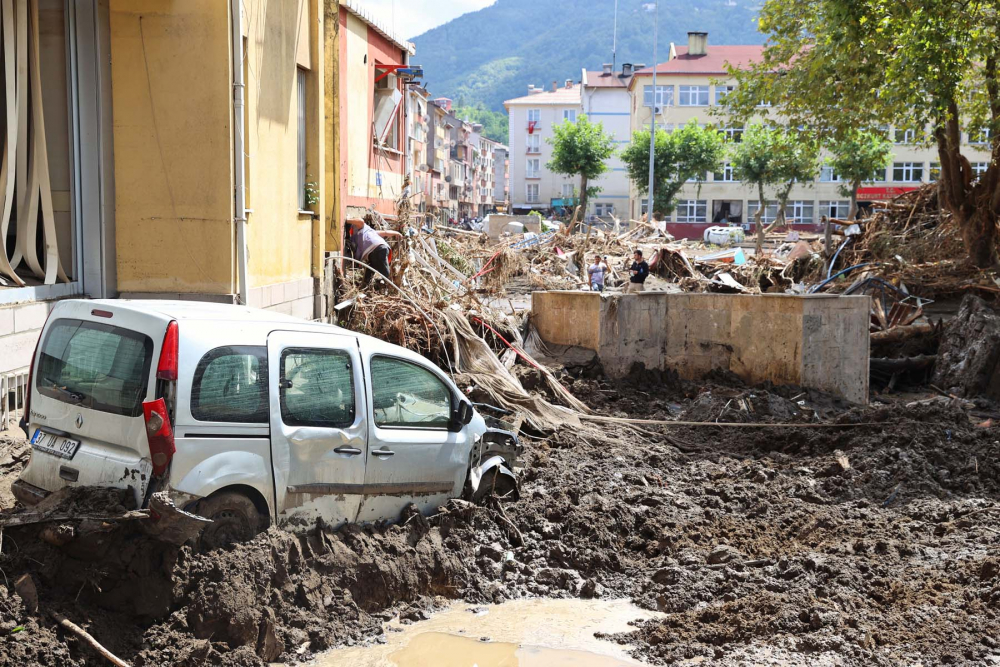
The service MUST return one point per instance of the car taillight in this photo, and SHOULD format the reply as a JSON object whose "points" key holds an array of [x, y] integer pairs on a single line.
{"points": [[159, 434], [167, 368]]}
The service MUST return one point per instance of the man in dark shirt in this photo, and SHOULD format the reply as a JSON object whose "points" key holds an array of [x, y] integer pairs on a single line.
{"points": [[638, 273]]}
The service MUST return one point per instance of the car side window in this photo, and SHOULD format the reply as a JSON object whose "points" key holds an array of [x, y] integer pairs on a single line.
{"points": [[316, 388], [230, 385], [407, 395]]}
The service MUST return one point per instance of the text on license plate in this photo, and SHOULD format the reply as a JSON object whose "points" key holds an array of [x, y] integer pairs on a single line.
{"points": [[53, 444]]}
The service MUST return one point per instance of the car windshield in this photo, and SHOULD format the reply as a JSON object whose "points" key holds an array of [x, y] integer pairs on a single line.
{"points": [[95, 365]]}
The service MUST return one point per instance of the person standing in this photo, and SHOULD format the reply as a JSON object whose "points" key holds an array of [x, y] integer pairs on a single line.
{"points": [[371, 248], [597, 271], [638, 273]]}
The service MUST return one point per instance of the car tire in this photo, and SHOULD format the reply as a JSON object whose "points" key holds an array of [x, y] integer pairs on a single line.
{"points": [[234, 519]]}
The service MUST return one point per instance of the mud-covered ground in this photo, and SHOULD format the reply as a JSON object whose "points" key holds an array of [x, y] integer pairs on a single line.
{"points": [[872, 542]]}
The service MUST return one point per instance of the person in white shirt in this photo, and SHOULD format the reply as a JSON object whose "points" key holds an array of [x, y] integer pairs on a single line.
{"points": [[597, 271]]}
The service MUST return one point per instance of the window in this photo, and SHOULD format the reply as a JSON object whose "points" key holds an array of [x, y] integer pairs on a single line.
{"points": [[693, 96], [570, 115], [838, 210], [980, 136], [664, 96], [979, 168], [604, 209], [534, 115], [230, 385], [407, 395], [534, 143], [666, 127], [878, 176], [770, 211], [692, 210], [643, 206], [533, 168], [733, 134], [828, 175], [698, 178], [907, 172], [531, 196], [721, 92], [934, 172], [799, 212], [764, 104], [567, 191], [902, 136], [727, 174], [316, 388], [96, 366], [300, 78]]}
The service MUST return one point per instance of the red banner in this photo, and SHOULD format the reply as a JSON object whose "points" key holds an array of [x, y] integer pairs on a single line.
{"points": [[883, 193]]}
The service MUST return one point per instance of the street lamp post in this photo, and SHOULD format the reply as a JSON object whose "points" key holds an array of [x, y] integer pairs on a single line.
{"points": [[652, 120]]}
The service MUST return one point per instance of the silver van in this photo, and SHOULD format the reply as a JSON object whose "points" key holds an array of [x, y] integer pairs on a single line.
{"points": [[249, 418]]}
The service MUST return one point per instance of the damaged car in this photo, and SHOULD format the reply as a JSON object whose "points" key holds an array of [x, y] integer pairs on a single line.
{"points": [[248, 418]]}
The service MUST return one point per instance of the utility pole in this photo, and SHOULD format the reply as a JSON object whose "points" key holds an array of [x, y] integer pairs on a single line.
{"points": [[652, 119]]}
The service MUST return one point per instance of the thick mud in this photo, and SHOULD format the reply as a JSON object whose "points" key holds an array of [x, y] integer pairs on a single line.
{"points": [[871, 542]]}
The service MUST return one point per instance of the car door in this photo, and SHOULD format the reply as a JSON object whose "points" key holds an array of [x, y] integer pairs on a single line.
{"points": [[413, 456], [319, 430]]}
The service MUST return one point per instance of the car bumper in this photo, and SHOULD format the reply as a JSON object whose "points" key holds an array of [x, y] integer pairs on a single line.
{"points": [[28, 494]]}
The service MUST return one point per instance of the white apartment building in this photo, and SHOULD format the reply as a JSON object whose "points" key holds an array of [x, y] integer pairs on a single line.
{"points": [[606, 100], [501, 176], [686, 90], [532, 117]]}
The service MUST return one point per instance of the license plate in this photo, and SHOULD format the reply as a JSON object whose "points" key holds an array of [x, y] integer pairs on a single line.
{"points": [[56, 445]]}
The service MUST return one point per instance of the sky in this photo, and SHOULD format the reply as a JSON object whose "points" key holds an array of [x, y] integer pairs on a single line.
{"points": [[410, 18]]}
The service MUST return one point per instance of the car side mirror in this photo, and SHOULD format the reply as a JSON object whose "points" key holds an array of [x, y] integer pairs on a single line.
{"points": [[467, 412]]}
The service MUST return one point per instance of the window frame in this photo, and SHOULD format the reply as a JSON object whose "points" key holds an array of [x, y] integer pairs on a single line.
{"points": [[534, 144], [826, 208], [528, 198], [664, 96], [827, 174], [915, 171], [533, 173], [567, 113], [408, 362], [301, 140], [803, 205], [259, 351], [722, 91], [727, 175], [537, 113], [283, 413], [694, 96], [700, 207]]}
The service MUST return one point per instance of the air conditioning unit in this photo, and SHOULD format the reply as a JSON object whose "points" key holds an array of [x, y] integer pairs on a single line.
{"points": [[438, 143], [388, 82], [447, 179], [423, 167]]}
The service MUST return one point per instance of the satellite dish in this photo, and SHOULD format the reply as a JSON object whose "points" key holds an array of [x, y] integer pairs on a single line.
{"points": [[447, 179], [423, 167]]}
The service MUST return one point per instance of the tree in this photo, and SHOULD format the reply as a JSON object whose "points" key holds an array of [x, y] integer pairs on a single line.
{"points": [[679, 156], [838, 66], [581, 149], [856, 158], [773, 157]]}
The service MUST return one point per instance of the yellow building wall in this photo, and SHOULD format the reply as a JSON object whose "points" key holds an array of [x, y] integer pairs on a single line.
{"points": [[279, 238], [359, 102], [171, 94]]}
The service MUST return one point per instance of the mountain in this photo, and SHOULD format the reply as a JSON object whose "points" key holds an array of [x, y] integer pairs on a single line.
{"points": [[491, 55]]}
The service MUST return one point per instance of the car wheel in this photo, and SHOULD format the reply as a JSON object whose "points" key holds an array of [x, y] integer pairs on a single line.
{"points": [[234, 519]]}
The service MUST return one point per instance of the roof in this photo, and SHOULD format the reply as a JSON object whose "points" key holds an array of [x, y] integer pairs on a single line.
{"points": [[713, 62], [598, 79], [561, 96], [358, 9]]}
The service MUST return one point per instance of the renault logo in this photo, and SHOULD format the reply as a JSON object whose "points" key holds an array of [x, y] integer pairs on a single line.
{"points": [[79, 421]]}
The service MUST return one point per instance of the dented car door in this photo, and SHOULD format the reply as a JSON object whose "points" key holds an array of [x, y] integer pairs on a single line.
{"points": [[319, 427]]}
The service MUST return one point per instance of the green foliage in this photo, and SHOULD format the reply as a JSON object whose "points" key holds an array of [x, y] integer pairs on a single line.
{"points": [[494, 122], [857, 157], [774, 156], [493, 54], [683, 154], [580, 148]]}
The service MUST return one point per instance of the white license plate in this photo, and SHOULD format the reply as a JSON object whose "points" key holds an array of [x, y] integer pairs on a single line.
{"points": [[53, 444]]}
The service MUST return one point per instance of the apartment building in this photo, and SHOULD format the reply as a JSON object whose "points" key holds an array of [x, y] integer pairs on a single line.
{"points": [[532, 117], [417, 138], [690, 83], [501, 177], [485, 171], [606, 100]]}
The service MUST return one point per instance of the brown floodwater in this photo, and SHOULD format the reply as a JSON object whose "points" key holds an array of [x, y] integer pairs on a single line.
{"points": [[522, 633]]}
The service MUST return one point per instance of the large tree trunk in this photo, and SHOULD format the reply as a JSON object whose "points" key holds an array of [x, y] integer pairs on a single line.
{"points": [[852, 214], [758, 221], [583, 199], [975, 208]]}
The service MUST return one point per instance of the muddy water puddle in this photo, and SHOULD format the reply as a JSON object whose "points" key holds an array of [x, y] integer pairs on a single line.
{"points": [[522, 633]]}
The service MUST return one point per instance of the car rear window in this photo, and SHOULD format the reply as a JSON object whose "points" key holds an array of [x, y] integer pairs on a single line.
{"points": [[230, 385], [95, 365]]}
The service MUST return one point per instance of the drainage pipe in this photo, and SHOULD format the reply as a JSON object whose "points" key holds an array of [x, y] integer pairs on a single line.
{"points": [[239, 150]]}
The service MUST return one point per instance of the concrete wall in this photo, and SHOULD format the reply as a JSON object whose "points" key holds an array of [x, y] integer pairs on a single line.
{"points": [[20, 326], [819, 342]]}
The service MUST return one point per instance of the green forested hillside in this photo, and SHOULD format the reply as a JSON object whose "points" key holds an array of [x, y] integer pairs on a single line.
{"points": [[492, 55]]}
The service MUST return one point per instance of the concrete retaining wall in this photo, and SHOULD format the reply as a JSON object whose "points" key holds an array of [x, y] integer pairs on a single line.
{"points": [[819, 342]]}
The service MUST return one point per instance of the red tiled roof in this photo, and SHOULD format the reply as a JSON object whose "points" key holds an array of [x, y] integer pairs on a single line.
{"points": [[561, 96], [713, 62], [597, 79]]}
